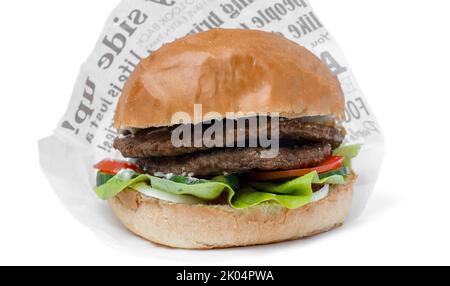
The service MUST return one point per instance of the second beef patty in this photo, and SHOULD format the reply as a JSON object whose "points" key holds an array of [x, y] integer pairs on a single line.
{"points": [[219, 161]]}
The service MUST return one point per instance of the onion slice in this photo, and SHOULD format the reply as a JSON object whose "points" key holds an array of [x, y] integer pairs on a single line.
{"points": [[148, 191], [321, 194]]}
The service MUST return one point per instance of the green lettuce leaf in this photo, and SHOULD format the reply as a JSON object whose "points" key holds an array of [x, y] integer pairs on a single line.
{"points": [[250, 197], [292, 194], [205, 190], [349, 153]]}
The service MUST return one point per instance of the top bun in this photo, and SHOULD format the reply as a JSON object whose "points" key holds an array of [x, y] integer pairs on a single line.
{"points": [[240, 71]]}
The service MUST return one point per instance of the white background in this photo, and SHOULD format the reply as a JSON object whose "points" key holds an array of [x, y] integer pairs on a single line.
{"points": [[399, 51]]}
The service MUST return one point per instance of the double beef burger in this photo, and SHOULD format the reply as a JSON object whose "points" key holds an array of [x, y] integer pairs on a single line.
{"points": [[227, 192]]}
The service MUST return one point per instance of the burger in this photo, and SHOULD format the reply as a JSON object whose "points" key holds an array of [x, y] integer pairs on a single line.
{"points": [[232, 138]]}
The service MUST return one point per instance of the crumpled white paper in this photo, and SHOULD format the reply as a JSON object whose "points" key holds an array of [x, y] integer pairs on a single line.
{"points": [[135, 29]]}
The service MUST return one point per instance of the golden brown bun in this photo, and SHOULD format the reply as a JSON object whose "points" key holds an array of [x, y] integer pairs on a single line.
{"points": [[206, 227], [228, 71]]}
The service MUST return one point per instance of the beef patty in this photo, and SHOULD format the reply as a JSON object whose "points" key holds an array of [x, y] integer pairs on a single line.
{"points": [[156, 142], [219, 161]]}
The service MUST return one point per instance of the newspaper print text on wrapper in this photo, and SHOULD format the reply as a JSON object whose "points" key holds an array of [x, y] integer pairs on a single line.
{"points": [[138, 27]]}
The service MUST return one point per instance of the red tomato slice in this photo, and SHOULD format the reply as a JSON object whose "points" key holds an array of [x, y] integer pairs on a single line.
{"points": [[332, 163], [113, 167]]}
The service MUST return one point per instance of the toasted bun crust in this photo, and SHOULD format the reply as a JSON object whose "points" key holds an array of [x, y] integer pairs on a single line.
{"points": [[228, 71], [206, 227]]}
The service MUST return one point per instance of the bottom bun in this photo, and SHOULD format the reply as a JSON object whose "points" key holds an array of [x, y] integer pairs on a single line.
{"points": [[220, 226]]}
